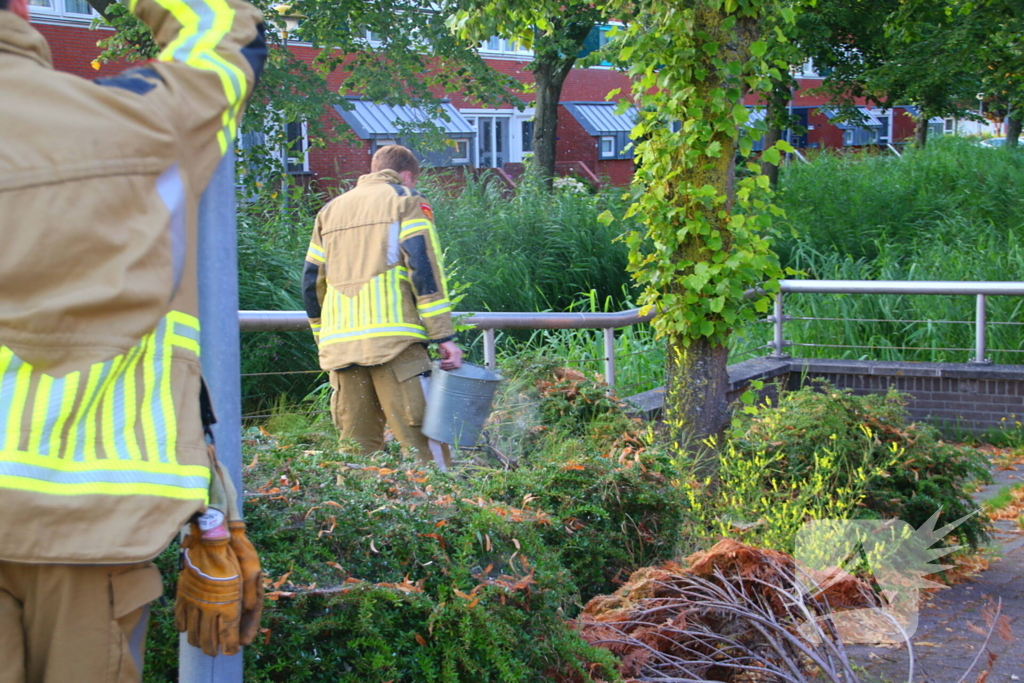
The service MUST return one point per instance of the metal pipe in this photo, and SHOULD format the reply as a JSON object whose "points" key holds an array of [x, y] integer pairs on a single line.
{"points": [[945, 287], [609, 356], [778, 343], [218, 303], [979, 332], [490, 350]]}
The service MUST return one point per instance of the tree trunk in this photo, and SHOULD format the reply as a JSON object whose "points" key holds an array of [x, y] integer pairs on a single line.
{"points": [[1013, 126], [549, 74], [776, 111], [696, 374], [921, 131]]}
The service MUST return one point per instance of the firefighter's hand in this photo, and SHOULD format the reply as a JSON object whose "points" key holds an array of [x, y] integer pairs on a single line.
{"points": [[451, 355], [252, 582], [209, 601]]}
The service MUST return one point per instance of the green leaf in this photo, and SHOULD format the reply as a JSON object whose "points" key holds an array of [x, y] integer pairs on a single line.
{"points": [[771, 155], [758, 48], [605, 217]]}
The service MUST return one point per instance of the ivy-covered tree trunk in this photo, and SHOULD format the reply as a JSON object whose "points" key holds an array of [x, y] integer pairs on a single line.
{"points": [[1013, 126], [549, 73], [702, 247]]}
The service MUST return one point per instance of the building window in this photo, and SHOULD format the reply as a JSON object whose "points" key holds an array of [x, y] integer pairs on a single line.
{"points": [[497, 46], [460, 151], [848, 136], [949, 125], [75, 9], [527, 128], [607, 146], [296, 153]]}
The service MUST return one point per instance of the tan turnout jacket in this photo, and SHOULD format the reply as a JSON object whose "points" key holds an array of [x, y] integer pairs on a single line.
{"points": [[102, 455], [373, 280]]}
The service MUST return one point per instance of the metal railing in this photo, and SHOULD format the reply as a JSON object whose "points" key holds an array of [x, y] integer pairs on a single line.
{"points": [[488, 323], [289, 321], [980, 290]]}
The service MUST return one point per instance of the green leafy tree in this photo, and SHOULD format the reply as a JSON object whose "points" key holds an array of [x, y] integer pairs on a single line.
{"points": [[556, 31], [393, 51], [703, 243]]}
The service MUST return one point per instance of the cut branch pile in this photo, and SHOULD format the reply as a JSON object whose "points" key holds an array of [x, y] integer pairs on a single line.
{"points": [[735, 613]]}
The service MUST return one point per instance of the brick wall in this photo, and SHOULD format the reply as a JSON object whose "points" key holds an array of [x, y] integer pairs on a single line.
{"points": [[953, 396]]}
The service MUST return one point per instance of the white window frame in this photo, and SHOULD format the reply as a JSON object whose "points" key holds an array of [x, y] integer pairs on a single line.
{"points": [[57, 9], [495, 46], [515, 130], [304, 136], [460, 150], [608, 140]]}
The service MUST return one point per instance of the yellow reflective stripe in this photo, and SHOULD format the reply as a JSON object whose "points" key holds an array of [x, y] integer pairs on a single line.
{"points": [[149, 435], [40, 410], [196, 44], [104, 465], [109, 489], [131, 405], [414, 225], [316, 254], [169, 426], [94, 408], [91, 380], [443, 284], [105, 407], [16, 385]]}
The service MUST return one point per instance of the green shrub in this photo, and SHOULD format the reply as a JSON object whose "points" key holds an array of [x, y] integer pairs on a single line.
{"points": [[381, 572], [614, 497], [866, 452]]}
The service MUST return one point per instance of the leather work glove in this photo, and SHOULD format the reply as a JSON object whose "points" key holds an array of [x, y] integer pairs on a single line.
{"points": [[209, 599], [252, 582]]}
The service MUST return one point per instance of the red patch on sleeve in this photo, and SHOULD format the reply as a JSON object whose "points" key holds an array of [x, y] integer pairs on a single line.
{"points": [[427, 210]]}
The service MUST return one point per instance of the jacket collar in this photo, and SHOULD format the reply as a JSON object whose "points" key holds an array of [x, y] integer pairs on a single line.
{"points": [[18, 37], [385, 176]]}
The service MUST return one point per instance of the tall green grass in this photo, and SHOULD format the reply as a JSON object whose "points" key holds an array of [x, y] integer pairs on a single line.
{"points": [[534, 251]]}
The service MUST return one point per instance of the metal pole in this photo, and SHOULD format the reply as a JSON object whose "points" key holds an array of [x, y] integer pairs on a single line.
{"points": [[778, 343], [979, 332], [490, 349], [218, 319], [609, 356]]}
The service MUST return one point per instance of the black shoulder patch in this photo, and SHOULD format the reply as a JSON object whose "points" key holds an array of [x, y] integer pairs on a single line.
{"points": [[139, 80], [416, 193], [400, 190], [419, 261]]}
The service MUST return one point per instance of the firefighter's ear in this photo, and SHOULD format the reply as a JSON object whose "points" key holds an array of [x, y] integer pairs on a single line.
{"points": [[19, 7], [408, 179]]}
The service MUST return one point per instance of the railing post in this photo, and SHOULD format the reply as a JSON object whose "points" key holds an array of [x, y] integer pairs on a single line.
{"points": [[778, 343], [609, 356], [218, 318], [979, 333], [490, 349]]}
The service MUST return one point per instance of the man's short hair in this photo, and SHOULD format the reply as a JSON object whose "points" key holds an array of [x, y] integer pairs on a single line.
{"points": [[3, 4], [394, 157]]}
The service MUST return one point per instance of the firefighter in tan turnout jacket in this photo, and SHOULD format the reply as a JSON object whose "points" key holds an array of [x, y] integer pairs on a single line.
{"points": [[102, 451], [375, 294]]}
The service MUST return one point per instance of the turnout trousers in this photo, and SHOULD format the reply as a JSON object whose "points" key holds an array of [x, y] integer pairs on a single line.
{"points": [[366, 397], [83, 623]]}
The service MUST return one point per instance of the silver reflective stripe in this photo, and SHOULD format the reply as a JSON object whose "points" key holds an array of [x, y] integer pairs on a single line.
{"points": [[435, 307], [393, 253], [156, 406], [85, 411], [120, 405], [172, 191], [60, 477], [6, 403], [186, 331]]}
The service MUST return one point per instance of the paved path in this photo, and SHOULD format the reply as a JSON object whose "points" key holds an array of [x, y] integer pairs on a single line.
{"points": [[945, 644]]}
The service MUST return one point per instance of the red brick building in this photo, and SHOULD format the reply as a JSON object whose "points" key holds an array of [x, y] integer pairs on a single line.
{"points": [[592, 141]]}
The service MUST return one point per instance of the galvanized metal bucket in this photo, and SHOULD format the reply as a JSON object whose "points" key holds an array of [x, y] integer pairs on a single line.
{"points": [[458, 403]]}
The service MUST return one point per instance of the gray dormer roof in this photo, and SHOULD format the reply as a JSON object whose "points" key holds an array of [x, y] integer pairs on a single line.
{"points": [[377, 121], [599, 118]]}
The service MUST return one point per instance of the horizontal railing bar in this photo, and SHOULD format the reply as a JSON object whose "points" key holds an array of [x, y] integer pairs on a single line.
{"points": [[285, 321], [947, 287]]}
